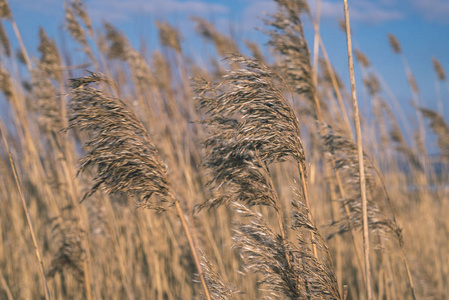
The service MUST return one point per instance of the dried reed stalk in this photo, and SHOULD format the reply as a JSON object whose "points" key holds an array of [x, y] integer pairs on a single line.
{"points": [[366, 246]]}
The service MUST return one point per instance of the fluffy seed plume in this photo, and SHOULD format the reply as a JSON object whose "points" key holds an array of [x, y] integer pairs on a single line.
{"points": [[344, 153], [5, 12], [120, 147], [74, 27], [6, 84], [223, 44], [5, 41], [118, 43], [362, 59], [287, 39], [251, 126], [255, 51], [70, 253], [394, 43], [439, 70], [80, 11], [218, 288], [441, 130], [372, 84], [47, 102], [50, 60], [287, 269], [169, 36]]}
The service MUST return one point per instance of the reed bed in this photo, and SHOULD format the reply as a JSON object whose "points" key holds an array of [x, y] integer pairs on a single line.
{"points": [[150, 176]]}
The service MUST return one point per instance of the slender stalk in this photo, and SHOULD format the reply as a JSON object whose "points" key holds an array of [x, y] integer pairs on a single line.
{"points": [[5, 286], [22, 45], [27, 214], [358, 131], [331, 74], [185, 226], [316, 43]]}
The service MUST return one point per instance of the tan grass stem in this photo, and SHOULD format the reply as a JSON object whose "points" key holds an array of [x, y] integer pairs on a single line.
{"points": [[22, 45], [194, 250], [5, 286], [366, 246]]}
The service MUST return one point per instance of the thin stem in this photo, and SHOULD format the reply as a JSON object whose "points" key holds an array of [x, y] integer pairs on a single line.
{"points": [[358, 131], [27, 214], [22, 45], [193, 249], [5, 286]]}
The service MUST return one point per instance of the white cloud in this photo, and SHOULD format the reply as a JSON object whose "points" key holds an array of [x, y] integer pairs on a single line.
{"points": [[255, 11], [117, 10], [363, 11], [436, 10]]}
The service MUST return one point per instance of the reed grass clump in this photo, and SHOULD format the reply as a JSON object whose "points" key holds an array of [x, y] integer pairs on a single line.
{"points": [[248, 177]]}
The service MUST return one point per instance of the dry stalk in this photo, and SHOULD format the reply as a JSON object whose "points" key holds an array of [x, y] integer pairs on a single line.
{"points": [[366, 246]]}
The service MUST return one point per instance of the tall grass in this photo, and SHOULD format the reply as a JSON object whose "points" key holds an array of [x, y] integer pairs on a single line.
{"points": [[151, 176]]}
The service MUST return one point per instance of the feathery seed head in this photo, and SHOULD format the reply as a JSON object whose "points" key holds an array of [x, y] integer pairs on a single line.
{"points": [[362, 59], [223, 44], [74, 27], [169, 36], [394, 42], [251, 126], [439, 70], [80, 11], [50, 59], [5, 12], [70, 253], [118, 43], [127, 162], [5, 41]]}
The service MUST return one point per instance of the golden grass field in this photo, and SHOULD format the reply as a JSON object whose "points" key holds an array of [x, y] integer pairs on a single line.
{"points": [[152, 177]]}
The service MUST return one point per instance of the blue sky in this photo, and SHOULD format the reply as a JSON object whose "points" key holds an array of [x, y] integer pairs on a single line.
{"points": [[421, 26]]}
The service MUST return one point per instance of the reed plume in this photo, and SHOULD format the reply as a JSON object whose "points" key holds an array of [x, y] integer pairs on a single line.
{"points": [[47, 105], [288, 269], [223, 44], [4, 40], [50, 60], [80, 11], [169, 36], [344, 153], [394, 43], [67, 238], [441, 130], [5, 11], [287, 39], [252, 126], [362, 58], [439, 70], [255, 51], [219, 289], [126, 160], [120, 147], [117, 42]]}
